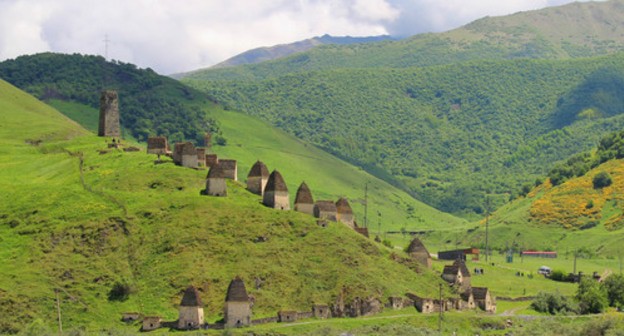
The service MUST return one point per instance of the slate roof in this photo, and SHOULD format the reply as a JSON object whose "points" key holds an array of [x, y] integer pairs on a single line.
{"points": [[227, 164], [216, 171], [466, 295], [191, 298], [416, 246], [450, 270], [259, 169], [236, 291], [304, 195], [276, 183], [188, 149], [159, 142], [327, 206], [343, 207], [479, 293], [462, 265]]}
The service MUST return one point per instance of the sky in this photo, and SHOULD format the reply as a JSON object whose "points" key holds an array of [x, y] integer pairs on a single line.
{"points": [[172, 36]]}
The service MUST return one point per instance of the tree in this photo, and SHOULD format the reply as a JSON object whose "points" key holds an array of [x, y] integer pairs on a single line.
{"points": [[553, 303], [601, 180], [614, 285], [592, 297]]}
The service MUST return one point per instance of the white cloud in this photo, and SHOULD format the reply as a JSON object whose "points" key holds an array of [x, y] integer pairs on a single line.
{"points": [[173, 35]]}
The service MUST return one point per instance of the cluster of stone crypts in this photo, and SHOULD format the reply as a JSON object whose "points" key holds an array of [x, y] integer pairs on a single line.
{"points": [[458, 276], [237, 310], [274, 192]]}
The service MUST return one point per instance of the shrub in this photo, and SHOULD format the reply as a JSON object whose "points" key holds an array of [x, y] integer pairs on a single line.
{"points": [[559, 275], [119, 292], [592, 297], [601, 180], [614, 285], [553, 303]]}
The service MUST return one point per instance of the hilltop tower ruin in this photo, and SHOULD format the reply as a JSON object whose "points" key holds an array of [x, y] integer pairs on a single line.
{"points": [[191, 313], [304, 201], [257, 178], [237, 310], [109, 115]]}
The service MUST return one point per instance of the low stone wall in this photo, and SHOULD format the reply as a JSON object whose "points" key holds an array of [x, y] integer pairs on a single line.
{"points": [[518, 299], [264, 320]]}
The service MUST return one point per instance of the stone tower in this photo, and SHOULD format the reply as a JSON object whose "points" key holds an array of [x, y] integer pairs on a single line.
{"points": [[304, 201], [109, 115], [276, 192], [257, 178], [237, 308], [191, 310]]}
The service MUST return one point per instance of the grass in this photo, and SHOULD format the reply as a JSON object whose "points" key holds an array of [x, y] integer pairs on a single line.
{"points": [[250, 139], [126, 219]]}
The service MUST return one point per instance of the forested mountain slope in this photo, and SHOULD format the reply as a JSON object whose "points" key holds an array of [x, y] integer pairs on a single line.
{"points": [[499, 123]]}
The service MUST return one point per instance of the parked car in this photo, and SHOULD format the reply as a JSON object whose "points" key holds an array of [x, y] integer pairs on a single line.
{"points": [[545, 270]]}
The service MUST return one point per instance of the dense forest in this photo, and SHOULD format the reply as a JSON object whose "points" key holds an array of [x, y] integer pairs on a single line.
{"points": [[150, 104], [448, 134]]}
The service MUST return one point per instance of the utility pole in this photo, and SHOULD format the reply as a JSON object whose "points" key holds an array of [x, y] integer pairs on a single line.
{"points": [[440, 314], [575, 254], [366, 205], [58, 312], [487, 228]]}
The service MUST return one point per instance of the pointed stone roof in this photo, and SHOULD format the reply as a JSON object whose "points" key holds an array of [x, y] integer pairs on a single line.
{"points": [[450, 270], [227, 163], [304, 195], [236, 291], [466, 295], [157, 142], [343, 207], [479, 293], [216, 171], [191, 298], [259, 169], [462, 265], [188, 149], [416, 246], [276, 182], [326, 206]]}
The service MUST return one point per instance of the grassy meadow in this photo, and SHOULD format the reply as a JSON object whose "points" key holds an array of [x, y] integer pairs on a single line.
{"points": [[78, 218]]}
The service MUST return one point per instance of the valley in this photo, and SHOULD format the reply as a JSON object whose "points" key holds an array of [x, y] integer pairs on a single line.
{"points": [[460, 156]]}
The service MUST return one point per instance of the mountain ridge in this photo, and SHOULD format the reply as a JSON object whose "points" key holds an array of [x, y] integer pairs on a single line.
{"points": [[594, 26]]}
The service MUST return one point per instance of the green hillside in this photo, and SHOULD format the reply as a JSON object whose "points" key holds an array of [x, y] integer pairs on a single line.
{"points": [[502, 123], [153, 104], [578, 207], [81, 219], [575, 30]]}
